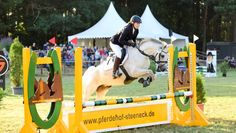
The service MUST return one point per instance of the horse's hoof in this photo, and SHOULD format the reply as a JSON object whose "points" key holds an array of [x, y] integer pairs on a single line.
{"points": [[149, 79], [146, 83], [116, 76], [141, 80], [119, 74]]}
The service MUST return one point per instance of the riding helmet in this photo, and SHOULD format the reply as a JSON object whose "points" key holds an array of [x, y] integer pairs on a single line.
{"points": [[135, 19]]}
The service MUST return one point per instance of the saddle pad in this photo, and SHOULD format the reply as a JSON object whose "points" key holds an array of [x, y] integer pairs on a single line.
{"points": [[108, 63]]}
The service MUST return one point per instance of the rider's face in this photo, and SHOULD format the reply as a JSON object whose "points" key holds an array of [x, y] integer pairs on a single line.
{"points": [[136, 25]]}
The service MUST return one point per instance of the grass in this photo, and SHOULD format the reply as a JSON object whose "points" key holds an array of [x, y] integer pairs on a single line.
{"points": [[219, 108]]}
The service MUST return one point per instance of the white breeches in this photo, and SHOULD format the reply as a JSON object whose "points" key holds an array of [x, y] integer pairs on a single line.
{"points": [[117, 49]]}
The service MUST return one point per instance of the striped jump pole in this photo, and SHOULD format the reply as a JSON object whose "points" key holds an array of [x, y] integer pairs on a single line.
{"points": [[136, 100], [174, 110]]}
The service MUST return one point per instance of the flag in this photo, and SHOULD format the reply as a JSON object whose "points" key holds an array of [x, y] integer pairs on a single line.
{"points": [[195, 38], [74, 41], [52, 40]]}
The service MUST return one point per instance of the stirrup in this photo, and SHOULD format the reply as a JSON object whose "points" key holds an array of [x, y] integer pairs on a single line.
{"points": [[116, 74]]}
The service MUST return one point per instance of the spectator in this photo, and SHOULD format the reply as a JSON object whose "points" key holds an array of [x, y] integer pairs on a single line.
{"points": [[101, 51], [41, 53], [45, 46], [97, 55], [34, 46], [70, 56], [232, 62], [91, 56], [69, 44], [5, 52]]}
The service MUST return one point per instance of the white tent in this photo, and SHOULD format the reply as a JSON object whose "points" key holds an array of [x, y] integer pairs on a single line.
{"points": [[151, 28], [105, 28], [111, 22]]}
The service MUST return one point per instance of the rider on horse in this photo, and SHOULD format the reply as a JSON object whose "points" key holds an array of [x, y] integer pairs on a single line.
{"points": [[129, 32]]}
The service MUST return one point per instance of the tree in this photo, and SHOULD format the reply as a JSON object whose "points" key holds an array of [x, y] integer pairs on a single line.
{"points": [[37, 21], [9, 21], [227, 10], [44, 19]]}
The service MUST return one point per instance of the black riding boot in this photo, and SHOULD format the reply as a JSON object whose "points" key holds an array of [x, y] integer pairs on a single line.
{"points": [[116, 72]]}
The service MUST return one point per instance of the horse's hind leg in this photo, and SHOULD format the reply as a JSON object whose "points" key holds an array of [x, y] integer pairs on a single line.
{"points": [[101, 92], [89, 88]]}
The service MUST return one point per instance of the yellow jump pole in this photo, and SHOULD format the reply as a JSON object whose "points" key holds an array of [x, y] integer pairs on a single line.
{"points": [[170, 70], [77, 123], [197, 116], [194, 116], [28, 126]]}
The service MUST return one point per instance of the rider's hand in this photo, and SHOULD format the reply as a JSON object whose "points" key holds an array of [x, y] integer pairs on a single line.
{"points": [[133, 44]]}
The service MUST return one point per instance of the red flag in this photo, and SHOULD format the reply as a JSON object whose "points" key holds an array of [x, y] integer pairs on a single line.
{"points": [[53, 40], [74, 41]]}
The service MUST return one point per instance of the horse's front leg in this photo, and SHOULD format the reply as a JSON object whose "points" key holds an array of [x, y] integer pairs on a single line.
{"points": [[145, 82], [145, 73]]}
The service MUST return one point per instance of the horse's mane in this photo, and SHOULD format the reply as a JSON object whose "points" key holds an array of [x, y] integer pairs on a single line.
{"points": [[150, 40]]}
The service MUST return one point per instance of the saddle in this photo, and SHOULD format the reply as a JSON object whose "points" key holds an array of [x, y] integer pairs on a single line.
{"points": [[110, 62]]}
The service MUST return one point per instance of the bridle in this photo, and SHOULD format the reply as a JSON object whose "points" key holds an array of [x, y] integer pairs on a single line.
{"points": [[152, 57]]}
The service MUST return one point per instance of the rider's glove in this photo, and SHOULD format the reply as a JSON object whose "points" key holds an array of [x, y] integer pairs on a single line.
{"points": [[133, 44]]}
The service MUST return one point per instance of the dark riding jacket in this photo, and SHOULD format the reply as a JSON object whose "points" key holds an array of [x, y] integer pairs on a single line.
{"points": [[125, 35], [210, 68]]}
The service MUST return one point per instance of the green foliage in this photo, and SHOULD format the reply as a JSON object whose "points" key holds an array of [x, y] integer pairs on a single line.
{"points": [[226, 6], [2, 94], [38, 21], [226, 9], [61, 18], [201, 92], [224, 67], [153, 66], [10, 16], [220, 107], [16, 62], [1, 46]]}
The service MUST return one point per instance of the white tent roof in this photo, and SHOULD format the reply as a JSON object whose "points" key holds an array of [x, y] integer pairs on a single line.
{"points": [[105, 28], [151, 28]]}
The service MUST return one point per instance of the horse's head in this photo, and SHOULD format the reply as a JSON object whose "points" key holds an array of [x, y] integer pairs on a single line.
{"points": [[163, 53], [156, 49]]}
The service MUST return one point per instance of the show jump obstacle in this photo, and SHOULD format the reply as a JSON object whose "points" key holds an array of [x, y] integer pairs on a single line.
{"points": [[178, 106], [41, 92]]}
